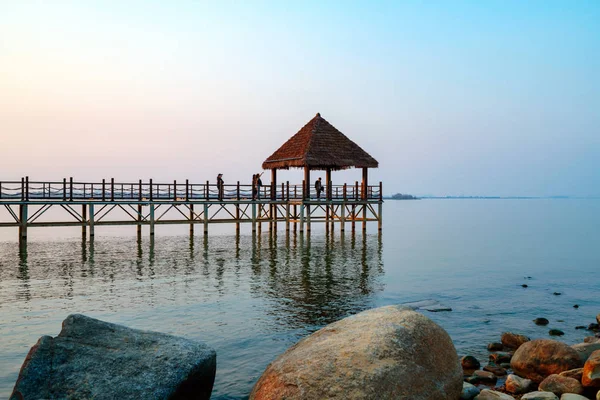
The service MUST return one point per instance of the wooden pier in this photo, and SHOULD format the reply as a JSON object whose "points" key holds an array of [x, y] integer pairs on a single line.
{"points": [[316, 146], [91, 204]]}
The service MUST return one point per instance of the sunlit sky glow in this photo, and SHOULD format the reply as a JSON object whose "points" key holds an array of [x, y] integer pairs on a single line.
{"points": [[452, 97]]}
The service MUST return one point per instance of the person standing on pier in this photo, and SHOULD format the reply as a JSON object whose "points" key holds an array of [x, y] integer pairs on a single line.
{"points": [[258, 185], [318, 187], [220, 185]]}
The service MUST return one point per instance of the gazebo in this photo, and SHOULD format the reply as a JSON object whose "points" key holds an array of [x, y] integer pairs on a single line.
{"points": [[320, 146]]}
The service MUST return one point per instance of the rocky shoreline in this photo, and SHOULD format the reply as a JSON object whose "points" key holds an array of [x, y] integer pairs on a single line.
{"points": [[541, 369]]}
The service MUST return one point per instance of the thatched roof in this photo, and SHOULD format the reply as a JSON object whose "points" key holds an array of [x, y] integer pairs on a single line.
{"points": [[319, 145]]}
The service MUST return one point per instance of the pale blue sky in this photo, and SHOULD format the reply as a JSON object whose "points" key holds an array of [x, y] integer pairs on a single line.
{"points": [[452, 97]]}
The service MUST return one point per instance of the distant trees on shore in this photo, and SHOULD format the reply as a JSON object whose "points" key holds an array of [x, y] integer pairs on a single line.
{"points": [[400, 196]]}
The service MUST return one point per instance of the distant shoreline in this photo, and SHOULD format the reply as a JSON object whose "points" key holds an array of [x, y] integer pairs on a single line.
{"points": [[490, 198]]}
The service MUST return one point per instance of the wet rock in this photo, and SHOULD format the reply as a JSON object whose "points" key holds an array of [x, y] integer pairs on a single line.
{"points": [[96, 359], [495, 369], [591, 339], [524, 285], [576, 306], [559, 385], [513, 340], [585, 350], [539, 396], [487, 394], [505, 365], [390, 352], [555, 332], [557, 293], [576, 373], [572, 396], [469, 362], [591, 371], [517, 385], [469, 391], [541, 321], [500, 357], [495, 346], [581, 327], [485, 377], [593, 327], [540, 358]]}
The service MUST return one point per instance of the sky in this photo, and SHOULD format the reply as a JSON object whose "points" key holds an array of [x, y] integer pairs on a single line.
{"points": [[451, 97]]}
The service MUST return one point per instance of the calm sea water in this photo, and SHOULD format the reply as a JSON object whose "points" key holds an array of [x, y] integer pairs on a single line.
{"points": [[251, 297]]}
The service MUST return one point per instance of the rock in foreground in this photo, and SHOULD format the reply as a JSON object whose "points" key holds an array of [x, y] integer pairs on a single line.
{"points": [[95, 359], [540, 358], [560, 385], [386, 353], [591, 371]]}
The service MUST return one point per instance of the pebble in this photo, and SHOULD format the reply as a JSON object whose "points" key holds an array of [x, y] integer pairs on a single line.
{"points": [[524, 285], [541, 321], [469, 391], [576, 306], [555, 332], [557, 293], [496, 346]]}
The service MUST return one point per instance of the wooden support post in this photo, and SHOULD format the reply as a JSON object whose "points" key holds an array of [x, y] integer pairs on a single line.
{"points": [[306, 182], [206, 217], [84, 220], [151, 191], [308, 218], [23, 222], [237, 208], [287, 217], [187, 190], [92, 233], [151, 219], [139, 220], [253, 217], [174, 190], [26, 188], [140, 190], [273, 184], [192, 217], [260, 208], [353, 217], [380, 216], [365, 183], [343, 217], [22, 189], [295, 217], [328, 192], [207, 191], [301, 218]]}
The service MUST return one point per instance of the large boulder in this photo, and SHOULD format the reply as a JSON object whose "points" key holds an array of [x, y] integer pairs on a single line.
{"points": [[540, 358], [100, 360], [513, 340], [585, 350], [390, 352], [591, 371], [561, 384]]}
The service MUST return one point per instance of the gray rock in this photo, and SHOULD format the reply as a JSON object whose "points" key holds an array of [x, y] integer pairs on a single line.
{"points": [[469, 391], [539, 396], [560, 385], [517, 385], [487, 394], [386, 353], [572, 396], [95, 359], [585, 350]]}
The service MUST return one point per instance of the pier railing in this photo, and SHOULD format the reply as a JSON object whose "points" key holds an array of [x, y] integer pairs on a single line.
{"points": [[109, 190]]}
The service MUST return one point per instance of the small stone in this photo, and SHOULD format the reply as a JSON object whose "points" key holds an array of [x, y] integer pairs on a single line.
{"points": [[500, 357], [487, 394], [576, 306], [573, 373], [469, 391], [469, 362], [557, 293], [513, 340], [524, 285], [517, 385], [495, 346], [555, 332], [591, 371], [482, 377], [593, 327], [581, 327], [541, 321], [495, 369], [561, 384], [539, 396]]}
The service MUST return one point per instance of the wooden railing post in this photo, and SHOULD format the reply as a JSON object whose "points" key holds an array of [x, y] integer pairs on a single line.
{"points": [[345, 192], [64, 189], [151, 191], [207, 191], [380, 191], [303, 189], [71, 188], [103, 189], [22, 189], [175, 190], [356, 190], [187, 191], [112, 189], [26, 188], [140, 190], [238, 190], [287, 191]]}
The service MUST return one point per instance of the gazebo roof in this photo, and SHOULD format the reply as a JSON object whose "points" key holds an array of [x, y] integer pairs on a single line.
{"points": [[319, 145]]}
